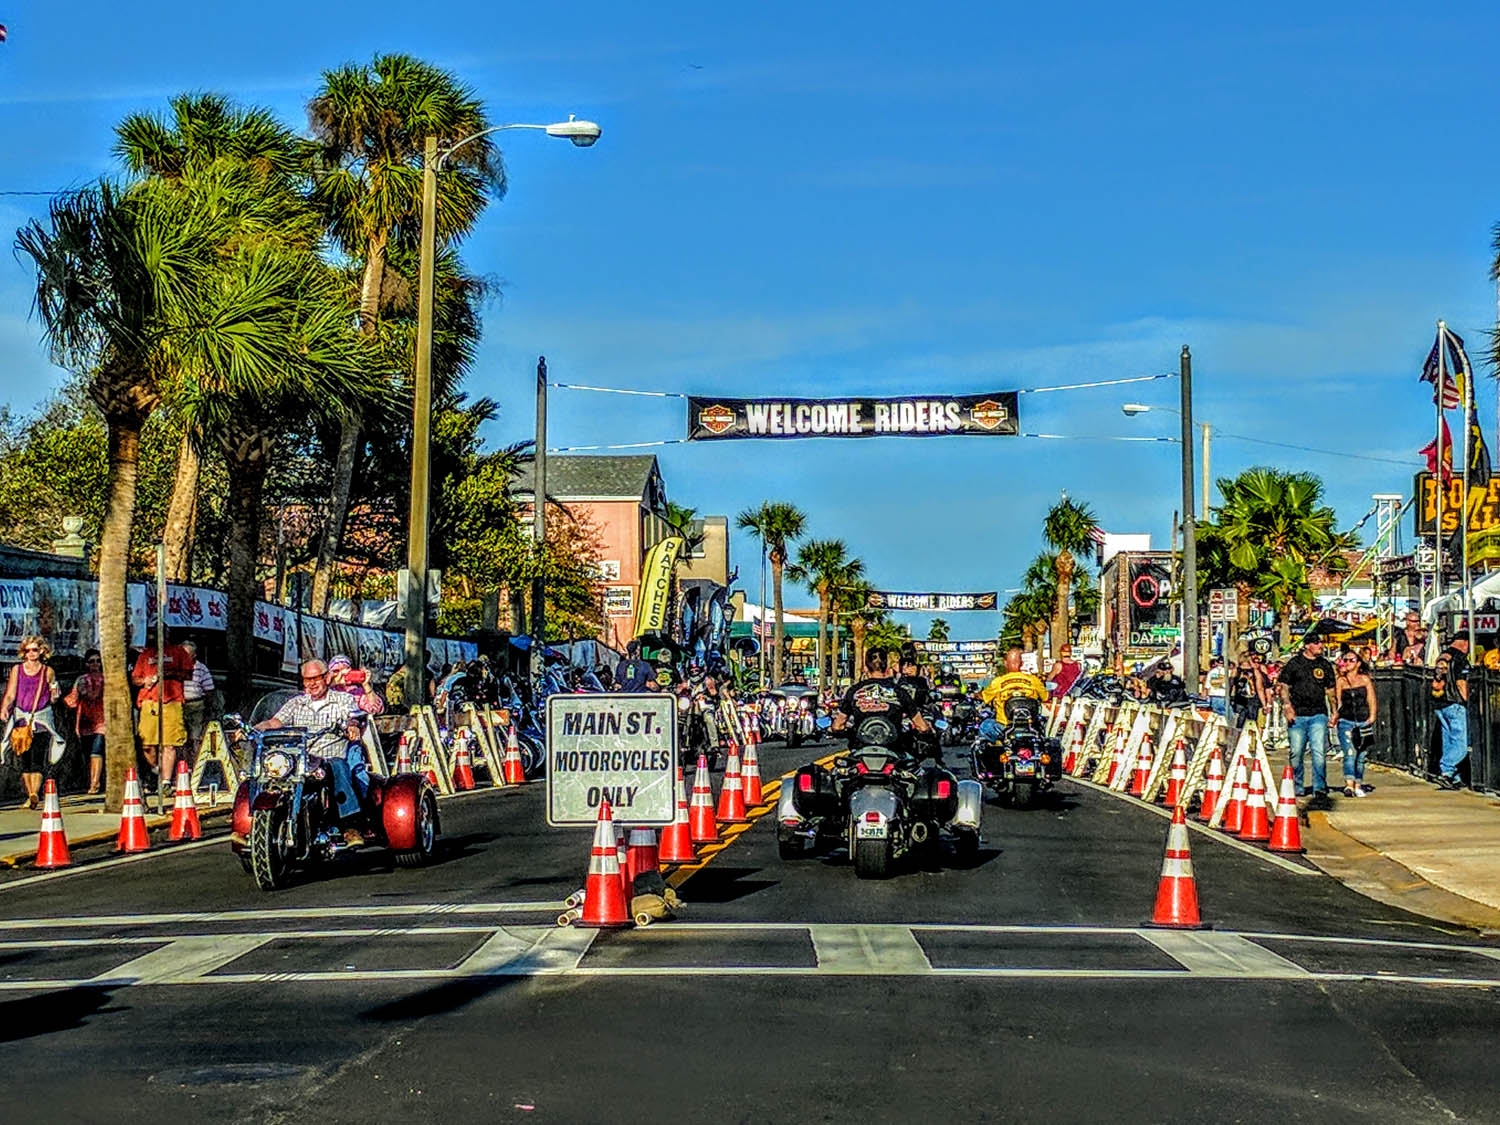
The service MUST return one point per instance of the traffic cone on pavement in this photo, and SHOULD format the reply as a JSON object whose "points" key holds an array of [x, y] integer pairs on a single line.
{"points": [[463, 764], [1115, 765], [403, 753], [1256, 826], [1213, 786], [750, 773], [133, 836], [515, 772], [1239, 790], [701, 823], [622, 858], [732, 793], [677, 839], [1286, 831], [605, 906], [1177, 779], [185, 824], [1177, 892], [52, 843], [1144, 760], [1075, 744], [640, 854]]}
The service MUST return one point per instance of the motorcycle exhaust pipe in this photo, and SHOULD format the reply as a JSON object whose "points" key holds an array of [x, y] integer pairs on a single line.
{"points": [[919, 832]]}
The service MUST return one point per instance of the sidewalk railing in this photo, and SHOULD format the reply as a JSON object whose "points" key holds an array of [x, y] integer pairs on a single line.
{"points": [[1406, 729]]}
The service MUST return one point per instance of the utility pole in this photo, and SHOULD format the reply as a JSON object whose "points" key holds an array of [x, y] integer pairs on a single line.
{"points": [[1189, 534], [539, 523], [421, 441]]}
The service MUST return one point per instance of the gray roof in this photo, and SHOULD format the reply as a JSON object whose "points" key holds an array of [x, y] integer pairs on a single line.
{"points": [[585, 477]]}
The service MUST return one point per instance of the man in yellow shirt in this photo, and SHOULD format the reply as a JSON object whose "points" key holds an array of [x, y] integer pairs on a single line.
{"points": [[1012, 683]]}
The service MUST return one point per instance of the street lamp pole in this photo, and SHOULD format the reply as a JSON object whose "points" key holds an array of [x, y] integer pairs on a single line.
{"points": [[1189, 533], [539, 524]]}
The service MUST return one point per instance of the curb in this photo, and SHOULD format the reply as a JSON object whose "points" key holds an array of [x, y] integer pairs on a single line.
{"points": [[1368, 872], [21, 859]]}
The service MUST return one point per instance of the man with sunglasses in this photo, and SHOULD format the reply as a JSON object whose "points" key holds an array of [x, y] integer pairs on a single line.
{"points": [[1306, 689], [333, 720]]}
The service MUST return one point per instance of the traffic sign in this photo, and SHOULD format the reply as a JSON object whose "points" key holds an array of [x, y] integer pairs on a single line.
{"points": [[619, 747], [1223, 604]]}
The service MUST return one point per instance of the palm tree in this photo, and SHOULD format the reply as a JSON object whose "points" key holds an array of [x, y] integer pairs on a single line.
{"points": [[681, 519], [777, 525], [1068, 528], [371, 123], [852, 597], [938, 630], [824, 565], [888, 635]]}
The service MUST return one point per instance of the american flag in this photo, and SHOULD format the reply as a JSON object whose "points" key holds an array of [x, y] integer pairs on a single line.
{"points": [[1455, 371]]}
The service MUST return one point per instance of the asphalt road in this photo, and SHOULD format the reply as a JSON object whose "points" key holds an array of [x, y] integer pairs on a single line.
{"points": [[1019, 986]]}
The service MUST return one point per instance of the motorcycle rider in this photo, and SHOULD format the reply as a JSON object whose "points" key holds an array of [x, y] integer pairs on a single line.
{"points": [[332, 720], [1013, 683], [878, 694], [950, 684], [1165, 685], [912, 679]]}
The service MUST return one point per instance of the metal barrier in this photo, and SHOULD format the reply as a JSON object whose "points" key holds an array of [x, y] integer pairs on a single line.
{"points": [[1406, 729]]}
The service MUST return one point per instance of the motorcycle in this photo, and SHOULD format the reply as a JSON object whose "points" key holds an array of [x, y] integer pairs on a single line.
{"points": [[286, 813], [883, 804], [1018, 762], [799, 713], [697, 730]]}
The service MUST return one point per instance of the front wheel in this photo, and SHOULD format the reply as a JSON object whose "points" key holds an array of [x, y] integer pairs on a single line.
{"points": [[270, 861], [872, 858], [427, 835], [793, 739]]}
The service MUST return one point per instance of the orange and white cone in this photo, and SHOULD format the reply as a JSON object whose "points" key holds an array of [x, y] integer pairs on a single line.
{"points": [[1213, 786], [701, 823], [622, 859], [1177, 779], [1239, 790], [511, 766], [403, 753], [732, 793], [1115, 765], [1144, 760], [604, 903], [677, 838], [463, 765], [640, 854], [185, 824], [1075, 744], [133, 836], [1286, 831], [52, 843], [1177, 892], [1256, 825], [750, 774]]}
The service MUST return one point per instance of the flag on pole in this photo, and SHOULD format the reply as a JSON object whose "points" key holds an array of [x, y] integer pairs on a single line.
{"points": [[1456, 371], [1479, 470], [1430, 452]]}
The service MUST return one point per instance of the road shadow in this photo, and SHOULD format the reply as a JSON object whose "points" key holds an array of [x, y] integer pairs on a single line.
{"points": [[725, 884], [52, 1011], [984, 855], [439, 999]]}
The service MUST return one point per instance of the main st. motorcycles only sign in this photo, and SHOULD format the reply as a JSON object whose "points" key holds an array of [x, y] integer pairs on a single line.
{"points": [[724, 419]]}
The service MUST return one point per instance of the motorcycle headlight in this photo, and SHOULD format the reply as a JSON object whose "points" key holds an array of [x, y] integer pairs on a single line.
{"points": [[683, 703], [276, 765]]}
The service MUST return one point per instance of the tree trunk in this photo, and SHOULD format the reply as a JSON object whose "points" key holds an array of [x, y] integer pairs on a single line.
{"points": [[778, 669], [822, 638], [114, 558], [1062, 627], [249, 461], [857, 627], [177, 535]]}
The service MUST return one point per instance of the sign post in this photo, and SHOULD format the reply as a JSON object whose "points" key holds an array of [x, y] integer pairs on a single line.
{"points": [[622, 748]]}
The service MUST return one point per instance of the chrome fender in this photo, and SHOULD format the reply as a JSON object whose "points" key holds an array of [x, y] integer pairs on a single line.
{"points": [[786, 806], [970, 804], [872, 799]]}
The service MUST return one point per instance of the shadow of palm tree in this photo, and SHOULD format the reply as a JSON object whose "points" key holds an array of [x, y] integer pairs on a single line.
{"points": [[51, 1011]]}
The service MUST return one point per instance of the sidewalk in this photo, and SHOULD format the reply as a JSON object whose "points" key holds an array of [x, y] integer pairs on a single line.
{"points": [[1411, 844], [84, 821]]}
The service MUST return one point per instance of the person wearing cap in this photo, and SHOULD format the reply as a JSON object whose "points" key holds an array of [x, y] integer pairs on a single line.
{"points": [[1450, 695], [1306, 687], [1064, 672]]}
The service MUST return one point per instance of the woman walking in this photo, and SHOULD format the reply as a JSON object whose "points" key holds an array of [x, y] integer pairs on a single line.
{"points": [[1356, 695], [87, 700], [26, 711]]}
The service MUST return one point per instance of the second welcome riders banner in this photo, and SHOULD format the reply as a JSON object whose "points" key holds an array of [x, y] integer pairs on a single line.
{"points": [[724, 419]]}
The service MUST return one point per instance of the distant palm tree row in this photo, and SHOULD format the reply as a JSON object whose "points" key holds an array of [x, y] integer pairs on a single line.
{"points": [[1058, 587]]}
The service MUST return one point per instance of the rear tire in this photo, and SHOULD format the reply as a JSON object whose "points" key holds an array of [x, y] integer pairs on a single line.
{"points": [[872, 858], [427, 835], [793, 739], [1024, 794], [268, 858], [790, 845], [966, 845]]}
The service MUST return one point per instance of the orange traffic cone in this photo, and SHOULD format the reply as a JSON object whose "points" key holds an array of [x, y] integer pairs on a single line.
{"points": [[640, 854], [701, 823], [1144, 760], [133, 836], [52, 844], [463, 764], [604, 903], [1177, 892], [1256, 826], [1213, 786], [1115, 765], [677, 839], [622, 856], [750, 774], [1234, 811], [732, 792], [403, 753], [515, 772], [185, 824], [1177, 779], [1075, 747], [1286, 832]]}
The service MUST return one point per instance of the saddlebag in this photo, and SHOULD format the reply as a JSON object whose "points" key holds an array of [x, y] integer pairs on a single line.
{"points": [[814, 793], [935, 799]]}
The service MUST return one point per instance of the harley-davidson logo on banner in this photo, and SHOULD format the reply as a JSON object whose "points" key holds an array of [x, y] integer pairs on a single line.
{"points": [[721, 419], [929, 603]]}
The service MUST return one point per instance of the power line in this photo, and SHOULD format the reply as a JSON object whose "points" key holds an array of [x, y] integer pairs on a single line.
{"points": [[1311, 449]]}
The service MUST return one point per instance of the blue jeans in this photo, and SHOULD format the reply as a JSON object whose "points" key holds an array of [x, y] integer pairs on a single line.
{"points": [[1454, 719], [990, 731], [351, 779], [1309, 732], [1354, 758]]}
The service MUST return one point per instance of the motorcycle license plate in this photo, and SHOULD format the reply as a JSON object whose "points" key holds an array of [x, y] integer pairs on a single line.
{"points": [[1025, 768], [870, 832]]}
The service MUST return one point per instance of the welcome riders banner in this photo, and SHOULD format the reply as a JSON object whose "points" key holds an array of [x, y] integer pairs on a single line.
{"points": [[929, 603], [724, 419]]}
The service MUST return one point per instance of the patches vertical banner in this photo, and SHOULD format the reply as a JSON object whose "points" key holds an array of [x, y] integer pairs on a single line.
{"points": [[656, 585]]}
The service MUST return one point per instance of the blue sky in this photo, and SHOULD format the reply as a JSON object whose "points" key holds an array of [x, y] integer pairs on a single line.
{"points": [[822, 199]]}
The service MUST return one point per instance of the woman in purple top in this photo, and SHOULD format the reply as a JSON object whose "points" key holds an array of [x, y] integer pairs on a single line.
{"points": [[29, 694]]}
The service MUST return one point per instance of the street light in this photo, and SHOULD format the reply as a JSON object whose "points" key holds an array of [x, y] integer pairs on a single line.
{"points": [[1131, 409], [583, 134], [1189, 524]]}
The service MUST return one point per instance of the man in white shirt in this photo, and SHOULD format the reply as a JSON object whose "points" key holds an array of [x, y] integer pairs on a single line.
{"points": [[197, 693]]}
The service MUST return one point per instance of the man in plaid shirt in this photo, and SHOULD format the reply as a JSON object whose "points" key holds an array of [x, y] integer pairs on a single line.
{"points": [[322, 713]]}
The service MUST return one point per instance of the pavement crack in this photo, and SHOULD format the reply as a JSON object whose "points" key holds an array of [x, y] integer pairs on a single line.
{"points": [[1359, 1027]]}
